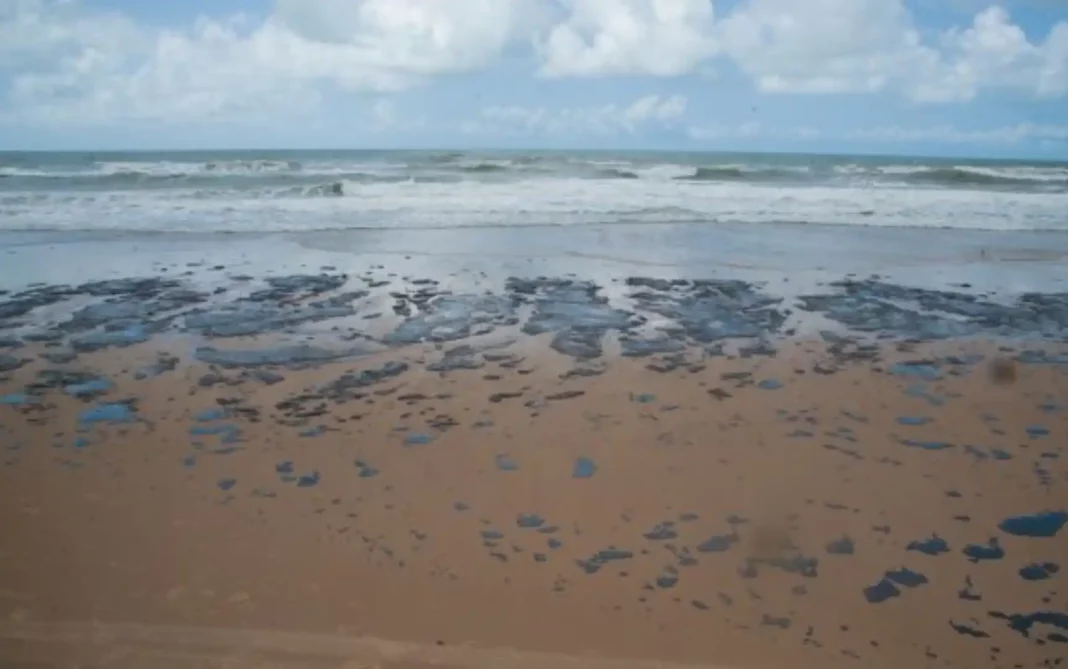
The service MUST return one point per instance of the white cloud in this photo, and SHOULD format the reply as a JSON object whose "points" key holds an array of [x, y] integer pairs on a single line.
{"points": [[72, 65], [939, 134], [403, 37], [611, 119], [948, 134], [752, 129], [822, 46], [835, 46], [611, 37], [994, 52], [68, 63]]}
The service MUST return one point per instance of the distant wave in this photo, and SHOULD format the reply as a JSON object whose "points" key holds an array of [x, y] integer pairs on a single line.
{"points": [[295, 191], [483, 168], [453, 167], [624, 220], [253, 166], [743, 173], [616, 173], [291, 183], [983, 177]]}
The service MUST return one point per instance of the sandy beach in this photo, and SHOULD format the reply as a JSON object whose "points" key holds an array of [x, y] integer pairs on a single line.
{"points": [[360, 466]]}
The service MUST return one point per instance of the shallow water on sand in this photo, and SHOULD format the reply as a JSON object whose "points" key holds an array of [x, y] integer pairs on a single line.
{"points": [[526, 449]]}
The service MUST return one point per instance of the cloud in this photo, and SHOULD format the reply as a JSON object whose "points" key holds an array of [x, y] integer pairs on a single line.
{"points": [[751, 130], [940, 134], [611, 119], [948, 134], [69, 63], [823, 46], [74, 65], [994, 52], [840, 46], [613, 37], [403, 38]]}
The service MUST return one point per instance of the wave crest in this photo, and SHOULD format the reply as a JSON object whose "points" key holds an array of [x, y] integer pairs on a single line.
{"points": [[980, 177]]}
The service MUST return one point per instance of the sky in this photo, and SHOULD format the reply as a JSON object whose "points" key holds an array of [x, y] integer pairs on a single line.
{"points": [[921, 77]]}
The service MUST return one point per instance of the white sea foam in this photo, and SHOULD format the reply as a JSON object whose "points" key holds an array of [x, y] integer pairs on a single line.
{"points": [[411, 190], [545, 201]]}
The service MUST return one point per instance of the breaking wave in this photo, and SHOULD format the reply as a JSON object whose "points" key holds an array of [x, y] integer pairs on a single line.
{"points": [[744, 173], [986, 177], [233, 191]]}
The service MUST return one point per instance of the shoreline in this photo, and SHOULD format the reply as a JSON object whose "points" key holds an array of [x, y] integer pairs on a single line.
{"points": [[708, 469]]}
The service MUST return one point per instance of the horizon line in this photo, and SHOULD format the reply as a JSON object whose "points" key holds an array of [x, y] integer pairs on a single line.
{"points": [[1061, 160]]}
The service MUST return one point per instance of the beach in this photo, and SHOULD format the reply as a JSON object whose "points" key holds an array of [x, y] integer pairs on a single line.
{"points": [[647, 443]]}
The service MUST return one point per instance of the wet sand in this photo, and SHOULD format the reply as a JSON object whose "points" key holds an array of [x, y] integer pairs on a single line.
{"points": [[559, 481]]}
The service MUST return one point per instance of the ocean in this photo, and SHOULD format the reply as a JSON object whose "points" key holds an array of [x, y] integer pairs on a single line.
{"points": [[299, 191]]}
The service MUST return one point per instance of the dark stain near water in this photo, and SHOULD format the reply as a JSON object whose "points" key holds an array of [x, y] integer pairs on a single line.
{"points": [[365, 471], [667, 579], [529, 521], [107, 413], [781, 622], [968, 630], [887, 587], [572, 311], [209, 415], [492, 535], [280, 356], [583, 468], [1036, 431], [595, 562], [927, 445], [662, 532], [992, 550], [505, 463], [308, 480], [709, 310], [16, 400], [228, 433], [9, 363], [881, 591], [1039, 571], [995, 454], [1045, 524], [89, 389], [1023, 623], [718, 543], [927, 371], [913, 421], [841, 546], [933, 545], [418, 439], [968, 592], [792, 563], [921, 391], [906, 577]]}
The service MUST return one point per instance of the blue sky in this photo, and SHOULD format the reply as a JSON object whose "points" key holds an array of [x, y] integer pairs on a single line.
{"points": [[942, 77]]}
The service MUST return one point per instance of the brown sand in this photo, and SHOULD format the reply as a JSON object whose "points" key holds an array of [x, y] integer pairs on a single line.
{"points": [[117, 555]]}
